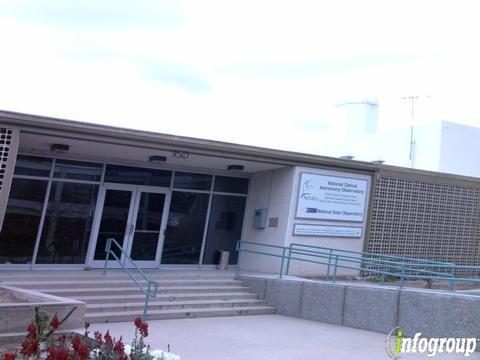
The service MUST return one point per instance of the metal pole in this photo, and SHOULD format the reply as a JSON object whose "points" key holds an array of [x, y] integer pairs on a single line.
{"points": [[329, 263], [288, 259], [383, 270], [239, 250], [145, 307], [402, 277], [452, 282], [281, 264], [107, 255], [335, 269]]}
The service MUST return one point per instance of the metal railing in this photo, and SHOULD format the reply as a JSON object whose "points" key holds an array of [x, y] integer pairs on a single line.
{"points": [[150, 290], [380, 265]]}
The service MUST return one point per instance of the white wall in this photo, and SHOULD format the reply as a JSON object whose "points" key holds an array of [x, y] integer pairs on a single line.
{"points": [[459, 149], [271, 190], [353, 244], [426, 148], [278, 191]]}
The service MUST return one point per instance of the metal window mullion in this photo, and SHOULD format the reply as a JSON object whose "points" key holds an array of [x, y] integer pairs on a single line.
{"points": [[42, 217], [172, 180], [230, 194], [193, 191], [207, 220], [104, 171], [27, 177]]}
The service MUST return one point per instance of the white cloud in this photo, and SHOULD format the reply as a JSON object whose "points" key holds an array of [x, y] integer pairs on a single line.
{"points": [[254, 72]]}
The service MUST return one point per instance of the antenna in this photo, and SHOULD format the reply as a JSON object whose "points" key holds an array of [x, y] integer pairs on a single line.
{"points": [[412, 99]]}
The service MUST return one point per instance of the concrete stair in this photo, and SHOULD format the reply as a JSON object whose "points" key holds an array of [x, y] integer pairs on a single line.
{"points": [[181, 294]]}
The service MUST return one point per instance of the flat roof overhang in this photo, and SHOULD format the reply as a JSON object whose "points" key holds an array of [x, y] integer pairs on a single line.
{"points": [[84, 131]]}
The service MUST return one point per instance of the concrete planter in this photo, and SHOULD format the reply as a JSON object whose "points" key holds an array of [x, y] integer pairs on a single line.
{"points": [[18, 308]]}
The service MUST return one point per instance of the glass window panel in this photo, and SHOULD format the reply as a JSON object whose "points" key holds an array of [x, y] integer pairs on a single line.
{"points": [[33, 165], [113, 223], [186, 223], [224, 227], [22, 219], [192, 181], [68, 223], [137, 176], [78, 170], [147, 227], [231, 185]]}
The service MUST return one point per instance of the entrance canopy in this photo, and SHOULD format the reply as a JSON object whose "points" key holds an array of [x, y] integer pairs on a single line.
{"points": [[166, 201]]}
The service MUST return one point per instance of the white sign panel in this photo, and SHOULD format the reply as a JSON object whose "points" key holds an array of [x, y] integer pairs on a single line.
{"points": [[326, 197], [327, 230]]}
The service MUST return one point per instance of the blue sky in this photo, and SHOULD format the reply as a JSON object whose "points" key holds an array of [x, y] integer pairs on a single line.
{"points": [[264, 73]]}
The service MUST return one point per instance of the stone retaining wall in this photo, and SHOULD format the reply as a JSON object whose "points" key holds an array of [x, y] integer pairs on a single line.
{"points": [[373, 307]]}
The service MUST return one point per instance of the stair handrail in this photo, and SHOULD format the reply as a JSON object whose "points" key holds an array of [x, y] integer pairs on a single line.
{"points": [[150, 291]]}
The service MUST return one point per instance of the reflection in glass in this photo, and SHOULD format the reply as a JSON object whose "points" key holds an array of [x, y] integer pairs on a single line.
{"points": [[147, 228], [186, 222], [77, 170], [231, 185], [68, 223], [33, 166], [192, 181], [113, 223], [224, 227], [22, 218], [137, 176]]}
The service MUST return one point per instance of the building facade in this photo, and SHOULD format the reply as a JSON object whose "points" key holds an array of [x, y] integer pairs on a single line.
{"points": [[67, 187]]}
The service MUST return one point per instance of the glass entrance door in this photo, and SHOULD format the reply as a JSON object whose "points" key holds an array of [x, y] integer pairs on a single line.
{"points": [[135, 216]]}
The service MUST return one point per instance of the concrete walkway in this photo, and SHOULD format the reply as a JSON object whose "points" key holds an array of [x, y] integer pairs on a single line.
{"points": [[272, 337]]}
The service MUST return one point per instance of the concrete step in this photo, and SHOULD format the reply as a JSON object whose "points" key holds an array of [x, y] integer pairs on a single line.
{"points": [[114, 275], [98, 299], [124, 283], [73, 292], [106, 317], [167, 305]]}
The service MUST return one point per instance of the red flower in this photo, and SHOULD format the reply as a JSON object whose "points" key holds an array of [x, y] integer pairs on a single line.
{"points": [[76, 342], [108, 339], [119, 346], [9, 356], [138, 322], [30, 347], [123, 357], [98, 337], [83, 352], [55, 323], [55, 353], [144, 329], [32, 330]]}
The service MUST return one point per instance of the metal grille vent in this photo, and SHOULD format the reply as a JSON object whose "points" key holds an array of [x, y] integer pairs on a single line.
{"points": [[5, 142], [423, 219]]}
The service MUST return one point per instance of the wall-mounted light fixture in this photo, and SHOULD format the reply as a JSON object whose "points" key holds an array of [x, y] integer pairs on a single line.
{"points": [[59, 148], [157, 159], [235, 167]]}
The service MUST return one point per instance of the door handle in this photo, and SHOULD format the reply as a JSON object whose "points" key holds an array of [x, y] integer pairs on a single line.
{"points": [[132, 229]]}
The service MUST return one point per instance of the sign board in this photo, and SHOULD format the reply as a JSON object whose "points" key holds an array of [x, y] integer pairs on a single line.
{"points": [[327, 230], [326, 197]]}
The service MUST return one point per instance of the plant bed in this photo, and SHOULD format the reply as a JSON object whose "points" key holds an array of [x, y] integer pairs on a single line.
{"points": [[43, 342]]}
